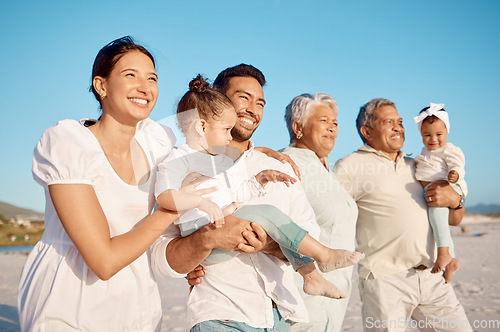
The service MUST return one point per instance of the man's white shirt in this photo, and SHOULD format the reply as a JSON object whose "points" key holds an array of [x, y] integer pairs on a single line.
{"points": [[243, 288]]}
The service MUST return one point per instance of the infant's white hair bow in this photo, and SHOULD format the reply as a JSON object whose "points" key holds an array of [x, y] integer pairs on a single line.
{"points": [[437, 111]]}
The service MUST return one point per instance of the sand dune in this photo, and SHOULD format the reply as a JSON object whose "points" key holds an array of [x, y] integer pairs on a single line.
{"points": [[477, 283]]}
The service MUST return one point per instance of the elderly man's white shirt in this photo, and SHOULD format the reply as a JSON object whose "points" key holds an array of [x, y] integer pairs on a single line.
{"points": [[243, 288]]}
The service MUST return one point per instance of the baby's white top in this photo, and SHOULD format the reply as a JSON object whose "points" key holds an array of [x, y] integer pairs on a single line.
{"points": [[435, 165], [232, 179]]}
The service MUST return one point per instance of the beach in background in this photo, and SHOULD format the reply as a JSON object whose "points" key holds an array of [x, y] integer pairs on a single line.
{"points": [[477, 283]]}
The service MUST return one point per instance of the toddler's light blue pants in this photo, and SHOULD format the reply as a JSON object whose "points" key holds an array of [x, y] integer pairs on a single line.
{"points": [[277, 225], [438, 218]]}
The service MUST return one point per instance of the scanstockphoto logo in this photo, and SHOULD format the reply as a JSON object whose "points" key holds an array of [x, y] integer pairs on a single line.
{"points": [[431, 323], [361, 177], [172, 123], [176, 138], [359, 186], [321, 186], [366, 169], [188, 122]]}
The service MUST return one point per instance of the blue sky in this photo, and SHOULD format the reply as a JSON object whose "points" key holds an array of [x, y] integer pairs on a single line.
{"points": [[412, 52]]}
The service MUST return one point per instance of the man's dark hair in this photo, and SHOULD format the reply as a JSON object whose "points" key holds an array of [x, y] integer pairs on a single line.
{"points": [[221, 83]]}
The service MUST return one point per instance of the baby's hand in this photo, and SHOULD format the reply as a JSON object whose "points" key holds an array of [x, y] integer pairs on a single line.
{"points": [[215, 213], [453, 177], [271, 175]]}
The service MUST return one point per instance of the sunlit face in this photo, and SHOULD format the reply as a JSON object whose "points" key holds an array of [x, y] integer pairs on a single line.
{"points": [[247, 97], [320, 130], [434, 134], [130, 91], [218, 131], [388, 134]]}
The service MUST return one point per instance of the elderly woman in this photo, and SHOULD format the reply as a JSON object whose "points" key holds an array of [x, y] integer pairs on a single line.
{"points": [[313, 127]]}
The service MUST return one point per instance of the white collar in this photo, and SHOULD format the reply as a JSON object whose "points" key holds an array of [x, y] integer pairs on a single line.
{"points": [[368, 148]]}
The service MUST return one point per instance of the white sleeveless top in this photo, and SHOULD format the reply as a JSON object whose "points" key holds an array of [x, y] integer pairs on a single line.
{"points": [[57, 290]]}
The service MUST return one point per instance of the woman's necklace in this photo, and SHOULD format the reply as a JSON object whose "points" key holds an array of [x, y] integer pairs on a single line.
{"points": [[112, 163]]}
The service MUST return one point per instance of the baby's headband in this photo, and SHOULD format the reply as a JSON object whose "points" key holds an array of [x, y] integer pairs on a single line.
{"points": [[437, 111]]}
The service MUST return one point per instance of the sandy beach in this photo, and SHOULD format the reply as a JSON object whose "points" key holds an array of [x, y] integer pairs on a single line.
{"points": [[476, 284]]}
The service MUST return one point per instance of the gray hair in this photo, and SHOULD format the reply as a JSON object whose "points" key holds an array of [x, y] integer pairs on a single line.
{"points": [[366, 115], [300, 108]]}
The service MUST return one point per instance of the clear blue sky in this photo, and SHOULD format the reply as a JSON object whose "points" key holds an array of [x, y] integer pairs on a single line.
{"points": [[412, 52]]}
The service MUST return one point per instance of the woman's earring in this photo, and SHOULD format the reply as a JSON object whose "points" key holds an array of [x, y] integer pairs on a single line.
{"points": [[299, 135]]}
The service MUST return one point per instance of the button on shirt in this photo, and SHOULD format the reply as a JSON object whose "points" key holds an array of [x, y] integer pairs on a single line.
{"points": [[243, 288]]}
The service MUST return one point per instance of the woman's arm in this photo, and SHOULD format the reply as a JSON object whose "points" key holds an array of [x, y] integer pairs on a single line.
{"points": [[175, 200], [83, 219]]}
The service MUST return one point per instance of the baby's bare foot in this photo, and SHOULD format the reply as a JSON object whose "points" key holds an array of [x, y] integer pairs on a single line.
{"points": [[339, 258], [450, 270], [315, 284], [444, 258]]}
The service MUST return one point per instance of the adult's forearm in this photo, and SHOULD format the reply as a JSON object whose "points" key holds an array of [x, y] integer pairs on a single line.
{"points": [[456, 216], [186, 253]]}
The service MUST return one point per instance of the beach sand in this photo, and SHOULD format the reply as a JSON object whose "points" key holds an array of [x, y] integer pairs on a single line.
{"points": [[477, 283]]}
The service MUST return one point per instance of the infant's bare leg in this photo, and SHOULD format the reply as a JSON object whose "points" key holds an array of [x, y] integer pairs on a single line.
{"points": [[444, 258], [315, 284], [328, 259]]}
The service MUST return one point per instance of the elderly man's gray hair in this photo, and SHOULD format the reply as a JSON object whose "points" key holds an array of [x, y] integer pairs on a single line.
{"points": [[366, 115], [300, 108]]}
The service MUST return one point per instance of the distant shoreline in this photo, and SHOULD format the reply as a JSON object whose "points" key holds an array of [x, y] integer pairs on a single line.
{"points": [[35, 233], [7, 249]]}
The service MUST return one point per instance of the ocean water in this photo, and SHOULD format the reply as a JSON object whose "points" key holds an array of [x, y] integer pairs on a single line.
{"points": [[16, 249]]}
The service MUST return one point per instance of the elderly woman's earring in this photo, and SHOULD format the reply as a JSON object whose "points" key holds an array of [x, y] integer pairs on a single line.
{"points": [[299, 135]]}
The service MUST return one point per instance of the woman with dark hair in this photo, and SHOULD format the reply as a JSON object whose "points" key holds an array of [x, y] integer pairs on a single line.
{"points": [[91, 269]]}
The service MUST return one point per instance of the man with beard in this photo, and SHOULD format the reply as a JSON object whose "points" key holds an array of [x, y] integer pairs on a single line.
{"points": [[253, 291], [392, 230]]}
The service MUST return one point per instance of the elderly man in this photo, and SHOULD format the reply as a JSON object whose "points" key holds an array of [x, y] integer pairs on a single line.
{"points": [[255, 291], [393, 230]]}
